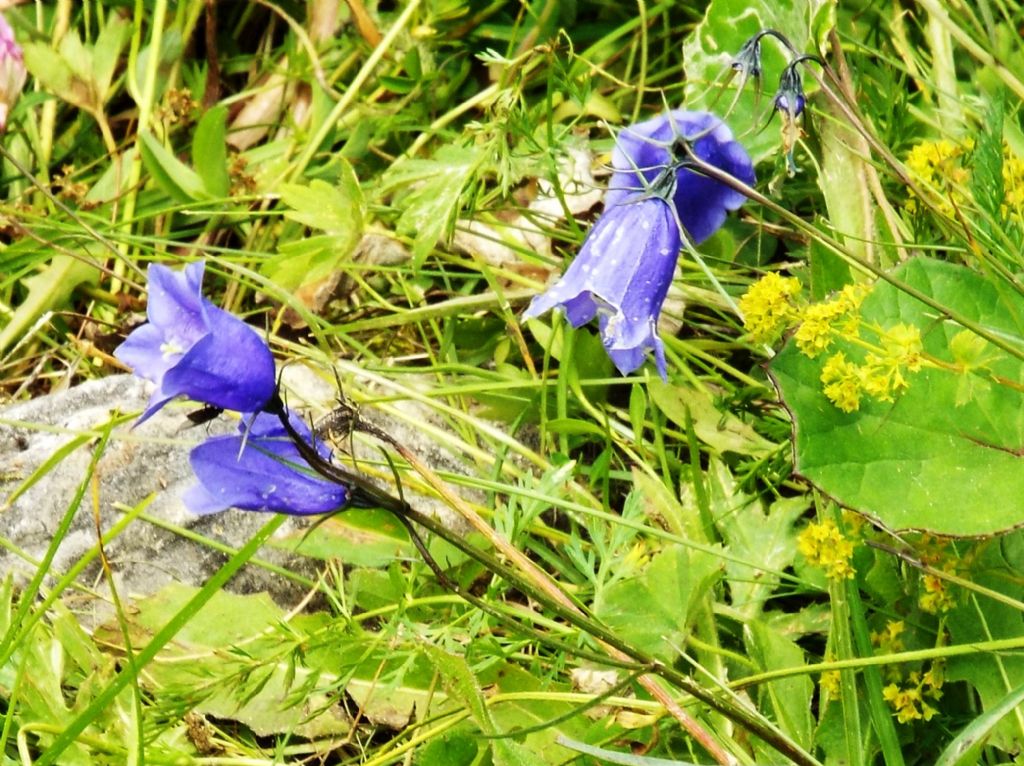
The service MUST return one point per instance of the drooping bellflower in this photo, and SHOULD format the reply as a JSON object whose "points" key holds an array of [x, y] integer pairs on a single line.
{"points": [[261, 470], [789, 103], [192, 348], [626, 264], [12, 70]]}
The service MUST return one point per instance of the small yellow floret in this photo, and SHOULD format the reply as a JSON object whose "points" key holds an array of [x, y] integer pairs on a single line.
{"points": [[843, 382], [907, 700], [825, 546], [828, 682], [767, 306]]}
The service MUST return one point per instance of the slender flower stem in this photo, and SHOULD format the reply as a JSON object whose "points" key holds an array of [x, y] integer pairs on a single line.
{"points": [[539, 586], [649, 681]]}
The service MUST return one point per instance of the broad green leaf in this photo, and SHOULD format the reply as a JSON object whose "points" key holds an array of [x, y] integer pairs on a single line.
{"points": [[663, 508], [56, 75], [945, 455], [844, 182], [51, 288], [718, 428], [531, 712], [965, 750], [114, 181], [714, 43], [106, 52], [176, 178], [359, 537], [210, 152], [461, 685], [320, 205], [654, 610], [994, 675], [337, 210], [433, 189], [790, 698], [764, 538], [451, 748], [235, 638]]}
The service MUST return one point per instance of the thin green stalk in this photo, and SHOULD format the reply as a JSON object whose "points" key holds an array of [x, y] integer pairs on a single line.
{"points": [[345, 102], [849, 698], [1000, 645], [1003, 675], [881, 715], [28, 596], [146, 95], [137, 755], [562, 384]]}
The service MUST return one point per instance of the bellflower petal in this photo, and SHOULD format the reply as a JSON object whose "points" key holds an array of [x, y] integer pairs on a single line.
{"points": [[267, 475], [643, 150], [191, 347], [12, 70], [622, 274]]}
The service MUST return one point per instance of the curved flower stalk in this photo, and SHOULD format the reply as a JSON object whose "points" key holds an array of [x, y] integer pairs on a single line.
{"points": [[261, 469], [192, 348], [12, 70], [626, 264]]}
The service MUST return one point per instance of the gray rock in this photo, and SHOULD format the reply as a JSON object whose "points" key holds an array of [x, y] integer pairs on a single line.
{"points": [[151, 460], [149, 464]]}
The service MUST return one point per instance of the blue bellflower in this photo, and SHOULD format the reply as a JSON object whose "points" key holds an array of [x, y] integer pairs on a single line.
{"points": [[192, 348], [267, 474], [622, 274], [626, 264], [790, 98], [643, 150]]}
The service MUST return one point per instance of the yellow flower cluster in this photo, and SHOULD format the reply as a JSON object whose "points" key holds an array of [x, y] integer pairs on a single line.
{"points": [[940, 168], [828, 682], [936, 595], [1013, 185], [843, 382], [882, 374], [821, 321], [767, 306], [771, 305], [823, 545], [908, 700]]}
